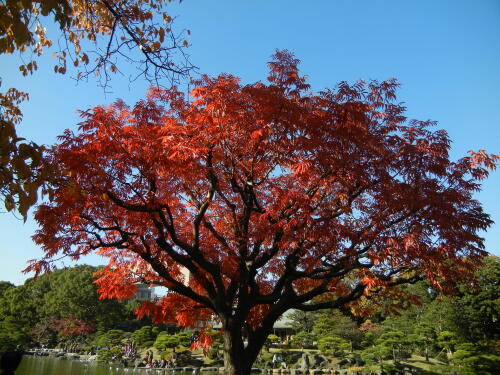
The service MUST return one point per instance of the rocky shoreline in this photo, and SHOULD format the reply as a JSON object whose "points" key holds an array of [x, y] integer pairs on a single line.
{"points": [[60, 354]]}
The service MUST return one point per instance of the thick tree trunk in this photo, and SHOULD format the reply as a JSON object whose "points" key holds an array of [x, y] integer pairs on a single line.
{"points": [[235, 360], [238, 358]]}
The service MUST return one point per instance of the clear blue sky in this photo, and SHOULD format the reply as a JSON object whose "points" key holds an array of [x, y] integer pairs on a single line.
{"points": [[445, 53]]}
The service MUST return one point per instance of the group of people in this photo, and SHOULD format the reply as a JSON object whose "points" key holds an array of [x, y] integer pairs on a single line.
{"points": [[156, 363], [129, 354], [149, 362], [129, 351]]}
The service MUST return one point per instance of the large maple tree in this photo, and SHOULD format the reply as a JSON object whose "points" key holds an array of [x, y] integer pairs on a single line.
{"points": [[271, 196]]}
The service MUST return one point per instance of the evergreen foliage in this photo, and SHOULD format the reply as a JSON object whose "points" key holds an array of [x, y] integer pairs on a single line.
{"points": [[60, 307]]}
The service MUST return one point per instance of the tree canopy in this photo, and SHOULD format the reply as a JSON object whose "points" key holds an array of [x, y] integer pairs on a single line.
{"points": [[271, 196], [21, 170], [96, 39]]}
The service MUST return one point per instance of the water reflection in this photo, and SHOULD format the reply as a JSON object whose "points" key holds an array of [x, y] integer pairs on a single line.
{"points": [[31, 365]]}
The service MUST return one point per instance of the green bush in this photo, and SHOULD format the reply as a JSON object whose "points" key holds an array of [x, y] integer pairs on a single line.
{"points": [[106, 355], [145, 336], [302, 340], [164, 341], [469, 360], [333, 345], [11, 334], [376, 354], [110, 338], [185, 338], [184, 358], [271, 340], [213, 354]]}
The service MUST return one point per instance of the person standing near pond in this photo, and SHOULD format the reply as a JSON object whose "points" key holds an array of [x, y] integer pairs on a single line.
{"points": [[149, 361], [174, 358]]}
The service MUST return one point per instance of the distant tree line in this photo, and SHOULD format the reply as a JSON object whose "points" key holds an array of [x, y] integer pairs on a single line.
{"points": [[61, 307]]}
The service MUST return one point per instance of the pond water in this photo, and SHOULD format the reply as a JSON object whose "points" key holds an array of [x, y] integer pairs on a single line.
{"points": [[31, 365]]}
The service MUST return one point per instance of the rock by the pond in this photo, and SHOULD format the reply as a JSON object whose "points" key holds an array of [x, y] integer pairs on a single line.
{"points": [[343, 363], [358, 361], [315, 371], [304, 362], [319, 361]]}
